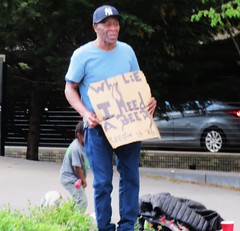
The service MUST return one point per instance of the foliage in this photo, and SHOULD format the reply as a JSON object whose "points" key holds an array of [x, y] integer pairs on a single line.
{"points": [[54, 218], [219, 13], [36, 34], [224, 16], [39, 37], [172, 37], [63, 218], [38, 40]]}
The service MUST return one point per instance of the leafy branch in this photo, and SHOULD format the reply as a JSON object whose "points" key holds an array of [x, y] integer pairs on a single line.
{"points": [[224, 16]]}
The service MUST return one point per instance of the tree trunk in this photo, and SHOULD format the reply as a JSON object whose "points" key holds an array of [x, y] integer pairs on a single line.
{"points": [[34, 125]]}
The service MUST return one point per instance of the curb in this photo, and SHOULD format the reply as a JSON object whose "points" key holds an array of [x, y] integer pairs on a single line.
{"points": [[226, 179]]}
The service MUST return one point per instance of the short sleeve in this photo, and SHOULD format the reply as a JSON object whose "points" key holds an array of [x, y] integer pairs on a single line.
{"points": [[75, 71]]}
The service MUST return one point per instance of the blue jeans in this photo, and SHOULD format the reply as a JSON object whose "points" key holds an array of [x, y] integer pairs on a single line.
{"points": [[100, 156]]}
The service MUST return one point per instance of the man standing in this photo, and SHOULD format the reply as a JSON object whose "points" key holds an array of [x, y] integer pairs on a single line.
{"points": [[98, 60]]}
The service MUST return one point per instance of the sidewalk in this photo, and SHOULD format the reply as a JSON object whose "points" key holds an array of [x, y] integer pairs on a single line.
{"points": [[23, 182]]}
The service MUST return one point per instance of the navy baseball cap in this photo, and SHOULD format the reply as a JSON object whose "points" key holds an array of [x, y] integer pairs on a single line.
{"points": [[103, 12]]}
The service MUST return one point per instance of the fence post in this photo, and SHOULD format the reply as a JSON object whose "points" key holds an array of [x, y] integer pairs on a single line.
{"points": [[2, 106]]}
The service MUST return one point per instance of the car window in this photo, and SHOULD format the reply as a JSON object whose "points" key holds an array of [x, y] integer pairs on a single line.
{"points": [[159, 113], [215, 106], [192, 108], [172, 110], [166, 110]]}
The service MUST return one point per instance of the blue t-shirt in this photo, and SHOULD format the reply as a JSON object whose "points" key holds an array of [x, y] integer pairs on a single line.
{"points": [[90, 64]]}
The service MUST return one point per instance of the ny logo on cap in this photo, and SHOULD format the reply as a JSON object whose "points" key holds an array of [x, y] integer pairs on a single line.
{"points": [[108, 11]]}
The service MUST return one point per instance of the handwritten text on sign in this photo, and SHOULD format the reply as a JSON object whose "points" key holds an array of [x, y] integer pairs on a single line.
{"points": [[120, 103]]}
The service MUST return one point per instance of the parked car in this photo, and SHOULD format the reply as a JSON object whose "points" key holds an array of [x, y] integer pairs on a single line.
{"points": [[211, 125]]}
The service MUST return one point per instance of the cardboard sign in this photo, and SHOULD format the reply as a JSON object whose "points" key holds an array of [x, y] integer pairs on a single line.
{"points": [[120, 103]]}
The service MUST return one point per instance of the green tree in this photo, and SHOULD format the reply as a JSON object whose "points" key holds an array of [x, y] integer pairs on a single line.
{"points": [[168, 55], [223, 16], [37, 37]]}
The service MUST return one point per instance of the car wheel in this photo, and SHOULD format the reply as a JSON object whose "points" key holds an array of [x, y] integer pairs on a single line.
{"points": [[213, 140]]}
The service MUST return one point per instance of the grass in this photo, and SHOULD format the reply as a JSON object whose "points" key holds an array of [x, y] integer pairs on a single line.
{"points": [[54, 218]]}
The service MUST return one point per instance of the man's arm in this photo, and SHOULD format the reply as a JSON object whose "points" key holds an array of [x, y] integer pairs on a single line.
{"points": [[73, 97]]}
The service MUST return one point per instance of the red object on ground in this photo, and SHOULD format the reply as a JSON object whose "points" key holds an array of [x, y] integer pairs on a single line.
{"points": [[78, 184], [227, 225]]}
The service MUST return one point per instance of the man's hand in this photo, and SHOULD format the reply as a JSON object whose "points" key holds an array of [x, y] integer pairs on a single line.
{"points": [[151, 106], [91, 119]]}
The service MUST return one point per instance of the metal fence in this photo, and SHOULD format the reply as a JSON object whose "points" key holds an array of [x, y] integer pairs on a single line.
{"points": [[57, 126], [57, 132]]}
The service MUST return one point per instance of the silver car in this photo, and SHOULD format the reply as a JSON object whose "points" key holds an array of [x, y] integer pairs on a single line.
{"points": [[210, 125]]}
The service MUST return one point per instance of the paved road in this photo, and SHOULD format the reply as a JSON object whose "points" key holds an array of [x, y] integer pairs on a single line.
{"points": [[22, 181]]}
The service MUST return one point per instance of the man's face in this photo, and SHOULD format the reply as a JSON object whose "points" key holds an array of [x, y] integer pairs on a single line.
{"points": [[108, 30]]}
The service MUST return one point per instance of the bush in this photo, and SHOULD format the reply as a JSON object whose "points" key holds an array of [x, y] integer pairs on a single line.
{"points": [[54, 218], [62, 218]]}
